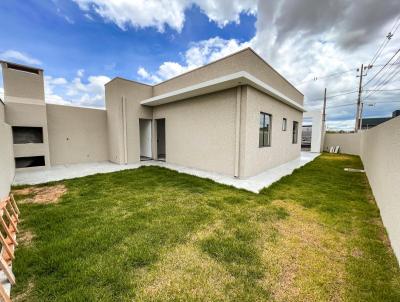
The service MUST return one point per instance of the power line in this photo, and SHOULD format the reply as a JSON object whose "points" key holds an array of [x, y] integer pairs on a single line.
{"points": [[384, 66], [385, 41], [384, 82], [382, 90], [335, 95], [352, 104], [331, 75], [388, 71], [386, 77], [379, 65]]}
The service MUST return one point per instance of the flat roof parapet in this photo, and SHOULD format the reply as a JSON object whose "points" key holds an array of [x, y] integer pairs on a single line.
{"points": [[22, 67]]}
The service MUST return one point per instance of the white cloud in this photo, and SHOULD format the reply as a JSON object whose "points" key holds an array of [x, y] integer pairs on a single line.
{"points": [[78, 92], [347, 125], [89, 17], [147, 77], [143, 73], [90, 93], [18, 57], [80, 72], [159, 13], [301, 39], [327, 37], [50, 85], [302, 44], [225, 11], [69, 20], [198, 54]]}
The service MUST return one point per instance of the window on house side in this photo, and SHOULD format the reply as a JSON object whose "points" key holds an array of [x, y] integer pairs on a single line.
{"points": [[265, 130], [295, 132], [284, 124]]}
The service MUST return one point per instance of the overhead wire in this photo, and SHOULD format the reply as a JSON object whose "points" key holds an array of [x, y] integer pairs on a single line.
{"points": [[384, 82], [331, 75], [386, 41], [380, 70]]}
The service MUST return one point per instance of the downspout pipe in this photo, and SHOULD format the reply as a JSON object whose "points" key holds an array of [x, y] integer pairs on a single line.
{"points": [[237, 131], [124, 131]]}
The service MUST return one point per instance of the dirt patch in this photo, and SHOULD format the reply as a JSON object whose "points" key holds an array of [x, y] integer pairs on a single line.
{"points": [[23, 296], [42, 195], [338, 157], [299, 258], [25, 238], [185, 274], [357, 253]]}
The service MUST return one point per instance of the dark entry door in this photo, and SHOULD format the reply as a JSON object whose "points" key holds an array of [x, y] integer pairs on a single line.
{"points": [[161, 139]]}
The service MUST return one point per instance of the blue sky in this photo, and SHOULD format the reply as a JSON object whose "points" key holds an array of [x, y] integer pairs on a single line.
{"points": [[58, 34], [82, 44]]}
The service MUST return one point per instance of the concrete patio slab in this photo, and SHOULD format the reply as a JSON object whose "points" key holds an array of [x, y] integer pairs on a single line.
{"points": [[253, 184]]}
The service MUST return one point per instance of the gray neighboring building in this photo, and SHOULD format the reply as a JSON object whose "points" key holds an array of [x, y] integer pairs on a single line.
{"points": [[236, 116], [367, 123]]}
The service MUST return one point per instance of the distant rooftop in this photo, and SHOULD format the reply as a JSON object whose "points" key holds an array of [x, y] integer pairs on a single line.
{"points": [[375, 121]]}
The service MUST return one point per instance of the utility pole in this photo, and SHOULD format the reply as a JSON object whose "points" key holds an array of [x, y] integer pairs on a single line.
{"points": [[357, 125], [361, 114], [324, 110]]}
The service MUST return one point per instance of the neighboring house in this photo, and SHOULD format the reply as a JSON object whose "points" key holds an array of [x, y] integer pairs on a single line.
{"points": [[371, 122], [236, 116]]}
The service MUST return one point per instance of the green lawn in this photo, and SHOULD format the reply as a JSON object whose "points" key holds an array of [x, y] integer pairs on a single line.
{"points": [[153, 234]]}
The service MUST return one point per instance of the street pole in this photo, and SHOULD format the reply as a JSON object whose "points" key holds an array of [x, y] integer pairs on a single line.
{"points": [[361, 114], [324, 110], [358, 111]]}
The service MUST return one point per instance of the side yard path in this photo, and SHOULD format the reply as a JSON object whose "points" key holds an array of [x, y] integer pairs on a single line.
{"points": [[153, 234]]}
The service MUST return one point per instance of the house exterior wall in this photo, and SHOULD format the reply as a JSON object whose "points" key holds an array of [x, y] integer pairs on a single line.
{"points": [[246, 60], [200, 132], [2, 112], [77, 135], [7, 166], [258, 159], [349, 142], [123, 118]]}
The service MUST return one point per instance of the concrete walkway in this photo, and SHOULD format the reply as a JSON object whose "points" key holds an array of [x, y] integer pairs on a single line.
{"points": [[253, 184]]}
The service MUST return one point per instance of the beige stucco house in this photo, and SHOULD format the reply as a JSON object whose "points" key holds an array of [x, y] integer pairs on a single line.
{"points": [[236, 116]]}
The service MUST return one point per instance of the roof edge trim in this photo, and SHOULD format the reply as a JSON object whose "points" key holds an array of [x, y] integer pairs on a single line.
{"points": [[218, 84]]}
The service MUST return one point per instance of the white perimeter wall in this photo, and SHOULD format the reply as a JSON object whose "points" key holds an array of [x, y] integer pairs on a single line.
{"points": [[317, 134], [379, 149], [77, 135], [380, 153], [7, 165], [349, 143]]}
